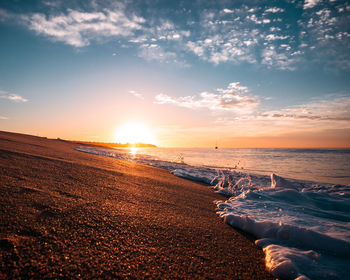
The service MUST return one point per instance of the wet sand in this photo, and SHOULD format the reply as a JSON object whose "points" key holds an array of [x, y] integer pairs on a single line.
{"points": [[69, 215]]}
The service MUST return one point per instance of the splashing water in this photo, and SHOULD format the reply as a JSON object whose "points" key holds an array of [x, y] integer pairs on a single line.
{"points": [[303, 228]]}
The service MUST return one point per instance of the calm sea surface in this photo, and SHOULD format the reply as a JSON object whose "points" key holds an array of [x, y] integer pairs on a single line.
{"points": [[318, 165]]}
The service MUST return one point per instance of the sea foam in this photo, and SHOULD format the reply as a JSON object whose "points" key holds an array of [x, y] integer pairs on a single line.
{"points": [[303, 228]]}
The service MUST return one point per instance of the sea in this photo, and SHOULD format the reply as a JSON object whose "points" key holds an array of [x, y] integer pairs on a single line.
{"points": [[296, 202]]}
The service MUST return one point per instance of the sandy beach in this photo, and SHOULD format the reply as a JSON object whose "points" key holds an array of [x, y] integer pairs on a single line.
{"points": [[68, 215]]}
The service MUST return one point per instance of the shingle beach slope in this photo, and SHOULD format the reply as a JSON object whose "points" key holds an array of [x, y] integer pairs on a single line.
{"points": [[66, 214]]}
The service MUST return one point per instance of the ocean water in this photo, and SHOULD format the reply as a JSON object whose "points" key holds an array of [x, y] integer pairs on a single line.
{"points": [[295, 202]]}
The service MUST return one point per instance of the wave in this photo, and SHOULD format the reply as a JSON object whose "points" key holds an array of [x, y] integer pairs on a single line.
{"points": [[303, 228]]}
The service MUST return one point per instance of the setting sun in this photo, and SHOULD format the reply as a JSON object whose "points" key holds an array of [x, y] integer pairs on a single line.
{"points": [[135, 132]]}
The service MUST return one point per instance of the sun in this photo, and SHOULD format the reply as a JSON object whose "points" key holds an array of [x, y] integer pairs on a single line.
{"points": [[135, 132]]}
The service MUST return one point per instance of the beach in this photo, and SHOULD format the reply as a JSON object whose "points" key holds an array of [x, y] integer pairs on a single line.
{"points": [[67, 214]]}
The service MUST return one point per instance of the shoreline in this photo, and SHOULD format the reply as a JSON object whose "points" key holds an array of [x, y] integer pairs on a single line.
{"points": [[76, 215]]}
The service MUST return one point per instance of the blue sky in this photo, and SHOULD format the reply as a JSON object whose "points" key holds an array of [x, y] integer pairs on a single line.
{"points": [[192, 70]]}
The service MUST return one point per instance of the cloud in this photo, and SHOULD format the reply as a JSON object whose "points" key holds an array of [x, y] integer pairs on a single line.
{"points": [[262, 37], [274, 58], [330, 109], [54, 4], [3, 118], [272, 37], [236, 34], [156, 52], [4, 15], [330, 112], [159, 53], [225, 48], [165, 30], [12, 97], [197, 48], [325, 35], [274, 10], [136, 94], [161, 41], [246, 35], [310, 3], [79, 28], [234, 98], [254, 19], [228, 11]]}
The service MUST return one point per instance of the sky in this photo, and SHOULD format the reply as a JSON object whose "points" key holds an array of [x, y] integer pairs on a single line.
{"points": [[196, 73]]}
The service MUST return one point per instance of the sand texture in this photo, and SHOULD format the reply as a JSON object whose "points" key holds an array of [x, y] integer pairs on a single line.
{"points": [[69, 215]]}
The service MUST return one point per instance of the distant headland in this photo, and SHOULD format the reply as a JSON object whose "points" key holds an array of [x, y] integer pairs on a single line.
{"points": [[116, 145]]}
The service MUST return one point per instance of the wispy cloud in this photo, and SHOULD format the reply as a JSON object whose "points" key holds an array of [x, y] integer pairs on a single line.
{"points": [[4, 15], [260, 35], [266, 37], [79, 28], [136, 94], [54, 4], [325, 33], [166, 30], [162, 41], [12, 97], [234, 98], [3, 118], [333, 109], [326, 113], [243, 35], [273, 58], [156, 52]]}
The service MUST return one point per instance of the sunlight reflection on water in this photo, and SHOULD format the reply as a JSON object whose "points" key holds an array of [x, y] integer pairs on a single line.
{"points": [[133, 151]]}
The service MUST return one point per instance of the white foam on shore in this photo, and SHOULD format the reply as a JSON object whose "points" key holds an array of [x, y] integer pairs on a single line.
{"points": [[303, 227]]}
